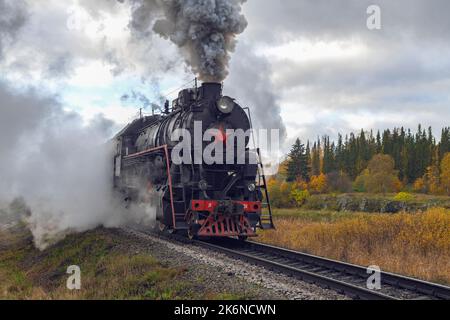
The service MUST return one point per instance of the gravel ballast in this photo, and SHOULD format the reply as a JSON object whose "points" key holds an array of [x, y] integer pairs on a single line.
{"points": [[232, 273]]}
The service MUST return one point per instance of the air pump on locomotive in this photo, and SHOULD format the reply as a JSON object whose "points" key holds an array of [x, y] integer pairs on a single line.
{"points": [[204, 200]]}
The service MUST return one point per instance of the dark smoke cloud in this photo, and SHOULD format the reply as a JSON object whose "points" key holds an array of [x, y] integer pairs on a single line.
{"points": [[204, 30]]}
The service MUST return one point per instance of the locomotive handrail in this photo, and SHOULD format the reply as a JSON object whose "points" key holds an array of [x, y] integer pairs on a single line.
{"points": [[143, 153]]}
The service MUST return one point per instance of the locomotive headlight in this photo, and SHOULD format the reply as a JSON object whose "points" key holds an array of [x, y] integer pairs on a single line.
{"points": [[251, 187], [226, 105]]}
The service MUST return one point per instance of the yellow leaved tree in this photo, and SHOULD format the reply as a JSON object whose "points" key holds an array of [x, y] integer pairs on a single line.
{"points": [[380, 176], [445, 173], [318, 184]]}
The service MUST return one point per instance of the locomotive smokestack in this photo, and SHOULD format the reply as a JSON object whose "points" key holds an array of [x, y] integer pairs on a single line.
{"points": [[211, 91]]}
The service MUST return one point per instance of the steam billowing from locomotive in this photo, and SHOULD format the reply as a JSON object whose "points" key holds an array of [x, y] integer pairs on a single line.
{"points": [[55, 170], [204, 30]]}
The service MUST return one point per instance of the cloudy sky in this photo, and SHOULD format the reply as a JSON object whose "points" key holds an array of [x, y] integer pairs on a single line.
{"points": [[310, 67]]}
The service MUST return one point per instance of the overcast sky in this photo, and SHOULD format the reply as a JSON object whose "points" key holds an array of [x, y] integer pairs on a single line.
{"points": [[313, 62]]}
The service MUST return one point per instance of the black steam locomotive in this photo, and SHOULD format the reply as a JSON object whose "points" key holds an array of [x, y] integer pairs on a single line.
{"points": [[220, 199]]}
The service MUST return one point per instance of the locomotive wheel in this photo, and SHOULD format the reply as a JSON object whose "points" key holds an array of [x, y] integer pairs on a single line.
{"points": [[162, 227], [193, 230], [243, 238], [192, 235]]}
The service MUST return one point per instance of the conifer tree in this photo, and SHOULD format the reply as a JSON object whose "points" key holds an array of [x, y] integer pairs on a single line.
{"points": [[297, 167], [444, 145], [315, 161]]}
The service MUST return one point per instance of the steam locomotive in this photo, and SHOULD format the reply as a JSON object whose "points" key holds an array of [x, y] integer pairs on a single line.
{"points": [[197, 197]]}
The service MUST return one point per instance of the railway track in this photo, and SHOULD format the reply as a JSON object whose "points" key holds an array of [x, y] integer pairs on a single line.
{"points": [[344, 278]]}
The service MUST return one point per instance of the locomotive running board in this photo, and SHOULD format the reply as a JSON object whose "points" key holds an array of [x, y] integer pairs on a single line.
{"points": [[169, 176]]}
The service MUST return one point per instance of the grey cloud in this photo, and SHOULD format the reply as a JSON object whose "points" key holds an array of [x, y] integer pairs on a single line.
{"points": [[60, 67], [50, 46], [388, 79], [99, 8], [45, 45], [13, 15], [250, 83], [403, 76], [275, 21], [394, 67]]}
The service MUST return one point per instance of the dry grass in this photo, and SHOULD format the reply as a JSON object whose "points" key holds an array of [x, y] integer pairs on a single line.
{"points": [[417, 245], [112, 268], [108, 273]]}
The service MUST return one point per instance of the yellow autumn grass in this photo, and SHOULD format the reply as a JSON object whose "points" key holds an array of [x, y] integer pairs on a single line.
{"points": [[417, 245]]}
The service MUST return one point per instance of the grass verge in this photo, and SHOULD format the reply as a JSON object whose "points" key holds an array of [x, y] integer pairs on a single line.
{"points": [[111, 269]]}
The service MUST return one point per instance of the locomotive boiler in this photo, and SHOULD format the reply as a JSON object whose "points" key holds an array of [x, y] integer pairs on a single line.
{"points": [[199, 197]]}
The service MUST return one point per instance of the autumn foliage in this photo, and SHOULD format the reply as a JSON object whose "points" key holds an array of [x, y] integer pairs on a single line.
{"points": [[445, 174], [380, 176], [436, 179], [318, 184], [388, 162]]}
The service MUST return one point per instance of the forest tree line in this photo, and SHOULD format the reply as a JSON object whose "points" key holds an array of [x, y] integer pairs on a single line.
{"points": [[382, 162]]}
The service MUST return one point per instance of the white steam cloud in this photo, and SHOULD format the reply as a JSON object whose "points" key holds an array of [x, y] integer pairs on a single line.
{"points": [[204, 30], [59, 167]]}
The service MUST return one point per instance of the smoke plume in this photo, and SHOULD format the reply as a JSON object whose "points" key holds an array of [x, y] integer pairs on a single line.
{"points": [[204, 30]]}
